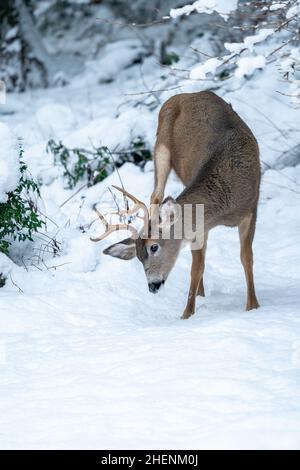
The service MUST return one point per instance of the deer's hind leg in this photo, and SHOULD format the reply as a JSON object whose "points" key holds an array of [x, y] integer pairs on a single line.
{"points": [[246, 233], [162, 164]]}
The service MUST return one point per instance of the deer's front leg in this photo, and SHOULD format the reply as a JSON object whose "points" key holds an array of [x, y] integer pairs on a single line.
{"points": [[196, 275], [162, 163]]}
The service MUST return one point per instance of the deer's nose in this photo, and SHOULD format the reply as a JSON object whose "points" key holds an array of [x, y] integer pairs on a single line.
{"points": [[154, 286]]}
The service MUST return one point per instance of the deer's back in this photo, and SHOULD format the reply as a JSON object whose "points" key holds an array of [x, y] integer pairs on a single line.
{"points": [[191, 124], [211, 144]]}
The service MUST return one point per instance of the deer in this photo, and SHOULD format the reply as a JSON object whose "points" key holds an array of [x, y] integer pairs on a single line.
{"points": [[216, 156]]}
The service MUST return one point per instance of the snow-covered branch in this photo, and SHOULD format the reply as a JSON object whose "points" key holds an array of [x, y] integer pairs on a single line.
{"points": [[275, 37], [223, 7]]}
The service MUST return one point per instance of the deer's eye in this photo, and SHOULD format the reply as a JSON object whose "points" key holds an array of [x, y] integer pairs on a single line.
{"points": [[154, 248]]}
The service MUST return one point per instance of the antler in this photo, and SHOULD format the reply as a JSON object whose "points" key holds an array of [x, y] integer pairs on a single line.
{"points": [[110, 228], [137, 204]]}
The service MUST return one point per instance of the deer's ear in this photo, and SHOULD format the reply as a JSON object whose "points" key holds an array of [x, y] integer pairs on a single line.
{"points": [[167, 212], [123, 250]]}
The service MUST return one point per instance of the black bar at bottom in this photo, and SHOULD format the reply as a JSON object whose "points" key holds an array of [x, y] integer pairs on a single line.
{"points": [[139, 458]]}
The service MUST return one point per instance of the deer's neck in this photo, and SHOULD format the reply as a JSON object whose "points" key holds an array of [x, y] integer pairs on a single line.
{"points": [[202, 194]]}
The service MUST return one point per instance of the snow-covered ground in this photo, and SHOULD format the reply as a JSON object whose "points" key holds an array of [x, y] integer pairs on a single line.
{"points": [[88, 357]]}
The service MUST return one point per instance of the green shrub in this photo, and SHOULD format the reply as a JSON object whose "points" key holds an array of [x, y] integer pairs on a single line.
{"points": [[79, 164], [18, 215], [2, 280], [93, 166], [224, 74], [137, 153], [171, 58]]}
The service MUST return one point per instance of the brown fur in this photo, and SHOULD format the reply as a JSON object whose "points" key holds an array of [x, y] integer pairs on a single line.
{"points": [[216, 156]]}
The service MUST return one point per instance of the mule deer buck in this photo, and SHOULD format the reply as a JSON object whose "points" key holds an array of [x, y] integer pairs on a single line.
{"points": [[216, 156]]}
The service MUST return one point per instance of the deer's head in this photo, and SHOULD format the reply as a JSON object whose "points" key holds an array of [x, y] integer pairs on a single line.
{"points": [[154, 245]]}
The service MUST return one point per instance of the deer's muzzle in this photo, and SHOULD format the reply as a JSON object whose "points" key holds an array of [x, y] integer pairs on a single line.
{"points": [[154, 286]]}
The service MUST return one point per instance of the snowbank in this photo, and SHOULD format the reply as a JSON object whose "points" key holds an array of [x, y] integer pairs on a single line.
{"points": [[6, 265], [247, 65], [9, 162], [95, 361], [55, 117]]}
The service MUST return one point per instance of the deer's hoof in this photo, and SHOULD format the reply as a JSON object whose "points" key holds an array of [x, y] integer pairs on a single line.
{"points": [[252, 304], [201, 290], [186, 315]]}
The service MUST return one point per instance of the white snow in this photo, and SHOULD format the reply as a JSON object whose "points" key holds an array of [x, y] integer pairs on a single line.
{"points": [[6, 265], [209, 66], [9, 162], [223, 7], [88, 357], [277, 6], [95, 361], [121, 55], [247, 65], [249, 41], [2, 92], [55, 117], [293, 11]]}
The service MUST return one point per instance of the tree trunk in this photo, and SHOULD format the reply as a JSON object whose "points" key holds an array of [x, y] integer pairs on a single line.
{"points": [[25, 62]]}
